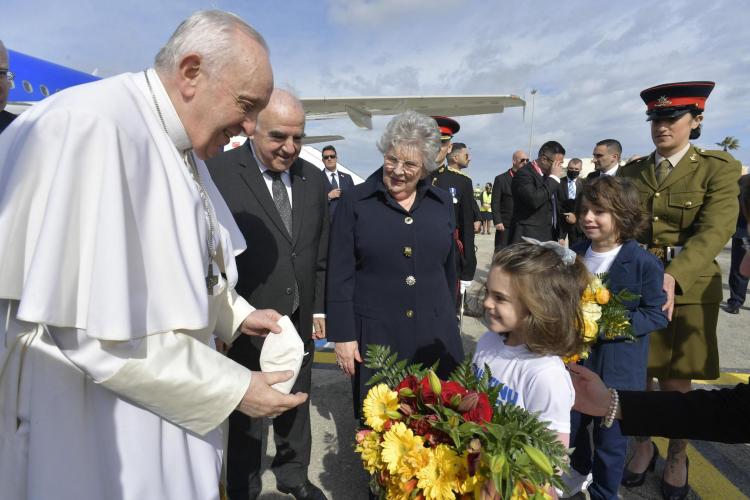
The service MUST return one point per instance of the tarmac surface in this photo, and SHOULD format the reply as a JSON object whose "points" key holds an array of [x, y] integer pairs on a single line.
{"points": [[717, 471]]}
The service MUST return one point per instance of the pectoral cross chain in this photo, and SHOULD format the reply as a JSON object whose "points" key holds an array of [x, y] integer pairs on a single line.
{"points": [[211, 279]]}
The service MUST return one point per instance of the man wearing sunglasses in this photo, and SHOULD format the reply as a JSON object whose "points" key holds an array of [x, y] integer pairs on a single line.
{"points": [[5, 78], [336, 181]]}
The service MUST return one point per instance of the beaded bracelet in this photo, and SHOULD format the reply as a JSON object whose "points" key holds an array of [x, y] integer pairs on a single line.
{"points": [[614, 402]]}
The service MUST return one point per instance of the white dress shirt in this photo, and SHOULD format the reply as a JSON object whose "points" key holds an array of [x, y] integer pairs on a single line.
{"points": [[285, 177]]}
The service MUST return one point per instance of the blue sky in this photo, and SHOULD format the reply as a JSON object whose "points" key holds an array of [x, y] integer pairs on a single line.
{"points": [[589, 60]]}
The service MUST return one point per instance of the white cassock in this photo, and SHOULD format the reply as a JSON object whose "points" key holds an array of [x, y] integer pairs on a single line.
{"points": [[110, 386]]}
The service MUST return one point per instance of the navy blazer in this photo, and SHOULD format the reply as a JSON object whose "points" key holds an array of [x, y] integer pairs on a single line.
{"points": [[621, 364], [392, 277]]}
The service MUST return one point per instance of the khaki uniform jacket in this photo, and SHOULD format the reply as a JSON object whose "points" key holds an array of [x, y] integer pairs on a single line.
{"points": [[694, 207]]}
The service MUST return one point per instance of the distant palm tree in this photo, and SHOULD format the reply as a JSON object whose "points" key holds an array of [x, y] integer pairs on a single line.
{"points": [[729, 143]]}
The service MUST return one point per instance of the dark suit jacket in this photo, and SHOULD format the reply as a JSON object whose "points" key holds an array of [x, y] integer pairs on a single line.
{"points": [[720, 415], [621, 364], [594, 174], [502, 200], [345, 183], [5, 119], [274, 259], [532, 205], [566, 204], [502, 207]]}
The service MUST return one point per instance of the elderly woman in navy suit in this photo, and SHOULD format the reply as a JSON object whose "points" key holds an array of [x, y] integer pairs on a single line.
{"points": [[391, 266], [609, 214]]}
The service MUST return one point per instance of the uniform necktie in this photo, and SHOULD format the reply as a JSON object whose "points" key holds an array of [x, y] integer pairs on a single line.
{"points": [[662, 170], [283, 205], [281, 200], [333, 181], [571, 190]]}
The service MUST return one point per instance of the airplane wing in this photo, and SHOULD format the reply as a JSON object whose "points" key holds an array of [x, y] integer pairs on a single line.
{"points": [[360, 110]]}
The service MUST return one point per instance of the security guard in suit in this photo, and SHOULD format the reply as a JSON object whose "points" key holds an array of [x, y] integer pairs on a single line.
{"points": [[459, 186], [690, 196]]}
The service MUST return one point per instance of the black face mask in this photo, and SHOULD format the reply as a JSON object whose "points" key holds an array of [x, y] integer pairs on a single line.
{"points": [[573, 174]]}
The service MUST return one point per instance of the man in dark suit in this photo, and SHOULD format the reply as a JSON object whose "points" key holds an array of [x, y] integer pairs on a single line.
{"points": [[606, 158], [502, 200], [279, 203], [534, 188], [568, 193], [5, 78], [336, 181], [737, 282]]}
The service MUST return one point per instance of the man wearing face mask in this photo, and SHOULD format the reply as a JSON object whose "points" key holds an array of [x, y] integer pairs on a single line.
{"points": [[568, 192]]}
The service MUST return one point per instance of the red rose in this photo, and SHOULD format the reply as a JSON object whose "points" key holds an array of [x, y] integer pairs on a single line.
{"points": [[450, 390], [420, 426], [482, 412]]}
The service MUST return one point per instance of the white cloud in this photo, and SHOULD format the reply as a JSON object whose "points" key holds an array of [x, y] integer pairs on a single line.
{"points": [[370, 12]]}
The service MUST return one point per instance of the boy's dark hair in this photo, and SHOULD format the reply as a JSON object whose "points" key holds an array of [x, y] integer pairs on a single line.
{"points": [[551, 291], [619, 197]]}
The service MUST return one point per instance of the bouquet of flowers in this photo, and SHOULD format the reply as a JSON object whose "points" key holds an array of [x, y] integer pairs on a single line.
{"points": [[604, 314], [428, 438]]}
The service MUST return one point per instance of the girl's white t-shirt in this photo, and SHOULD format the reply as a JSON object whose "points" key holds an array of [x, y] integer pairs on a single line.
{"points": [[532, 381], [600, 262]]}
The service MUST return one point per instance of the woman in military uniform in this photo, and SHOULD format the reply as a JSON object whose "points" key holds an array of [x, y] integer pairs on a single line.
{"points": [[690, 196]]}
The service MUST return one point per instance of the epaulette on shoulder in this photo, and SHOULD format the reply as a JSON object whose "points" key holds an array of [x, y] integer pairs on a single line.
{"points": [[715, 153], [636, 161], [441, 170], [457, 171]]}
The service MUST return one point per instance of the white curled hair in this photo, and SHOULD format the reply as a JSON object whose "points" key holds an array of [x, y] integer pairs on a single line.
{"points": [[567, 255], [416, 129], [210, 33]]}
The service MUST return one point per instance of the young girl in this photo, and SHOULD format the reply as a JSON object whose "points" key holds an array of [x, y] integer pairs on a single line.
{"points": [[610, 216], [532, 311]]}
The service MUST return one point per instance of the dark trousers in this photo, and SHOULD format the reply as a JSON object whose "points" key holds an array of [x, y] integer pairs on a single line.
{"points": [[291, 431], [502, 238], [737, 283], [609, 452]]}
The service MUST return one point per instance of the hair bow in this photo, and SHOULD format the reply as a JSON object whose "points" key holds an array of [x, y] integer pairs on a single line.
{"points": [[567, 255]]}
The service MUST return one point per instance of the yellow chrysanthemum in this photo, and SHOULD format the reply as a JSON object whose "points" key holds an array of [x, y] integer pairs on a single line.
{"points": [[379, 400], [400, 488], [369, 450], [398, 443], [414, 461], [589, 295], [439, 480]]}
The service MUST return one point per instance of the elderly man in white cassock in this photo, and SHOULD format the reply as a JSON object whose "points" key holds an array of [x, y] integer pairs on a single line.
{"points": [[116, 271]]}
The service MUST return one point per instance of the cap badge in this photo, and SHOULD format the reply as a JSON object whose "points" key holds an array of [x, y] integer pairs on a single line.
{"points": [[662, 101]]}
